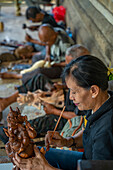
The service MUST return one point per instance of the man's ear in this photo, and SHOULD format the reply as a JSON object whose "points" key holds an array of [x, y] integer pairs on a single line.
{"points": [[94, 91]]}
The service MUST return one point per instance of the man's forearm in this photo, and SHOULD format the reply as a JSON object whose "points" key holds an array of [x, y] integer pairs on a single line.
{"points": [[66, 114], [33, 27], [37, 42], [62, 64]]}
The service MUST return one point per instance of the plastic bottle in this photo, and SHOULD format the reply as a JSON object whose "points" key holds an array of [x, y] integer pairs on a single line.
{"points": [[69, 33]]}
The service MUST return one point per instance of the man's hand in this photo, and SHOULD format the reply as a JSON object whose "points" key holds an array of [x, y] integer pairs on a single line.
{"points": [[47, 58], [38, 162], [48, 49], [33, 27], [55, 139], [28, 38], [58, 86], [49, 108], [27, 55]]}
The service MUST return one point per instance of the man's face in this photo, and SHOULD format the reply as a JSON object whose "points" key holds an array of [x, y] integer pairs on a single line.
{"points": [[32, 19], [45, 39], [37, 19]]}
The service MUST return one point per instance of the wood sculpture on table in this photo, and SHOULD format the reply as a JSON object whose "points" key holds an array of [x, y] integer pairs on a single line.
{"points": [[36, 98], [20, 135]]}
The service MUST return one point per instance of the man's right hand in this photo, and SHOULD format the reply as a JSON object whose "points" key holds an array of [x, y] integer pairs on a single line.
{"points": [[49, 108], [28, 38], [33, 27], [55, 139]]}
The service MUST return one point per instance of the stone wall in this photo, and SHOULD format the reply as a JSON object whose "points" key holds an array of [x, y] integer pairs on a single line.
{"points": [[91, 22], [108, 4]]}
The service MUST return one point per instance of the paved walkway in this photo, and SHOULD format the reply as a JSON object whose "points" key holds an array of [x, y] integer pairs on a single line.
{"points": [[12, 23], [12, 30]]}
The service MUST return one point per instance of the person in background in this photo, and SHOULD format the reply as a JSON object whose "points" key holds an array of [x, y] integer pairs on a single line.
{"points": [[87, 78], [37, 15], [56, 45]]}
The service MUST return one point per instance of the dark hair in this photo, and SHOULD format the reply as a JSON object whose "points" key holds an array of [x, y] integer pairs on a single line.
{"points": [[87, 71], [32, 11]]}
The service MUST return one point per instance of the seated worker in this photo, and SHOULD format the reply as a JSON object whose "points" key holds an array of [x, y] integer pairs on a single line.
{"points": [[56, 45], [89, 91], [36, 14], [52, 113]]}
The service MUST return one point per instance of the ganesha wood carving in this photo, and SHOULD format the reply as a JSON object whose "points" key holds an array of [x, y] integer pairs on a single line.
{"points": [[20, 135]]}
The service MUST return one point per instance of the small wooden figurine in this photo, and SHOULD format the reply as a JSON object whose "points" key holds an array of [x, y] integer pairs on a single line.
{"points": [[20, 135]]}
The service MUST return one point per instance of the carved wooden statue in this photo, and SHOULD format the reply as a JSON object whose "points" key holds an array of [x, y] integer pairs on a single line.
{"points": [[20, 135], [55, 98]]}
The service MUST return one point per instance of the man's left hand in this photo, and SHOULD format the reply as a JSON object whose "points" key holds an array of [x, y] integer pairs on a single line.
{"points": [[28, 38], [38, 162]]}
